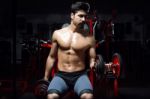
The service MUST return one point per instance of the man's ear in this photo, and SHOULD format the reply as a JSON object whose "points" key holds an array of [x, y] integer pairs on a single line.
{"points": [[72, 15]]}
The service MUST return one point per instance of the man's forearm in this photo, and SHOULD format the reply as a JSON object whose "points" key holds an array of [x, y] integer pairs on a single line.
{"points": [[49, 65], [92, 63]]}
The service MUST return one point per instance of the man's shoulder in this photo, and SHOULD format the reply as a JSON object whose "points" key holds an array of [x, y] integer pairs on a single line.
{"points": [[90, 36], [59, 31], [91, 39]]}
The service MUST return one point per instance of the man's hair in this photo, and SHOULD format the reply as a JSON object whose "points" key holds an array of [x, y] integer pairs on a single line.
{"points": [[80, 6]]}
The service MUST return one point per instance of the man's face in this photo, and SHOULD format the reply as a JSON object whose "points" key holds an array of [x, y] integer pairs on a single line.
{"points": [[79, 18]]}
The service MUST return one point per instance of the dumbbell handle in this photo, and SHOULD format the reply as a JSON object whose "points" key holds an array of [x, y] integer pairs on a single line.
{"points": [[108, 66]]}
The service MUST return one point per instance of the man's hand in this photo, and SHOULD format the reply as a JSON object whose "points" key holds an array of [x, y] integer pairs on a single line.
{"points": [[92, 65], [46, 76]]}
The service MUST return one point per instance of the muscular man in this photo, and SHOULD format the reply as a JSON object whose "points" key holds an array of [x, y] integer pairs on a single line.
{"points": [[72, 46]]}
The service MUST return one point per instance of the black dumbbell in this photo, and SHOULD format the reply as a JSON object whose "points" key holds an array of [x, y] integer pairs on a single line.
{"points": [[41, 87], [99, 67]]}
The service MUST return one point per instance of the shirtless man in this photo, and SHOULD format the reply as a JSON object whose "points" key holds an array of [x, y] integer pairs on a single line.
{"points": [[71, 46]]}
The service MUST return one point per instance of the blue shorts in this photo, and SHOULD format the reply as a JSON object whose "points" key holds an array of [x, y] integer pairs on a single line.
{"points": [[64, 81]]}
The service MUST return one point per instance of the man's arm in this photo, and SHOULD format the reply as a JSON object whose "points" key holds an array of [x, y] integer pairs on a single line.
{"points": [[51, 58], [92, 53]]}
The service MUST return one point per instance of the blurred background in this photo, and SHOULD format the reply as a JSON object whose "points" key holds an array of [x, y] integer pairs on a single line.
{"points": [[26, 27]]}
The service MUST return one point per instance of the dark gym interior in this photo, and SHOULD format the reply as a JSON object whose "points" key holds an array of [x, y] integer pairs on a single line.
{"points": [[26, 24]]}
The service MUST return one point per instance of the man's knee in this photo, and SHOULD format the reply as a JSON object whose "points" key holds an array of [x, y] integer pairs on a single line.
{"points": [[53, 96], [86, 96]]}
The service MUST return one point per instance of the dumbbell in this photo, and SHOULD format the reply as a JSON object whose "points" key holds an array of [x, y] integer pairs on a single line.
{"points": [[41, 87], [99, 67], [116, 66], [111, 69]]}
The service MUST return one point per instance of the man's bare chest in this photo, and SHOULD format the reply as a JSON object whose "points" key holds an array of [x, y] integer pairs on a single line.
{"points": [[74, 41]]}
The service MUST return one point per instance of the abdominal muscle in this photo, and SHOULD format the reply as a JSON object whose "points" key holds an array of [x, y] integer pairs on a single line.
{"points": [[68, 61]]}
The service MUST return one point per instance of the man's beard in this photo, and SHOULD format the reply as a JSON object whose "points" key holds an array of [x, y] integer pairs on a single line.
{"points": [[81, 25], [84, 26]]}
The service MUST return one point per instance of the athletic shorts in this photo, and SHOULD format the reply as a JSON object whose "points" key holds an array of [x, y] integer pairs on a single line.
{"points": [[64, 81]]}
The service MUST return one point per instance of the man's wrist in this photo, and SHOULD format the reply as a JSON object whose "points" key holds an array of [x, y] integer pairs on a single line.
{"points": [[45, 78]]}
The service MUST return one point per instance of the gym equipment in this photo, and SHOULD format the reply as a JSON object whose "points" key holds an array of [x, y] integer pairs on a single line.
{"points": [[41, 87], [117, 64], [112, 70], [99, 67], [109, 73]]}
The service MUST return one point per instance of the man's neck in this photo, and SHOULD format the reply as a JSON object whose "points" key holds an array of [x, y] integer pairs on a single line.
{"points": [[74, 28]]}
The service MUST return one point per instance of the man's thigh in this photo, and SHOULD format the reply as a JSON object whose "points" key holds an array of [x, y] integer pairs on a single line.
{"points": [[57, 85], [83, 85]]}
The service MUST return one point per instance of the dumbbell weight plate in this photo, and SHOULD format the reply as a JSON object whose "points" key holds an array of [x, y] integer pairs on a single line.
{"points": [[117, 61], [99, 65], [41, 87]]}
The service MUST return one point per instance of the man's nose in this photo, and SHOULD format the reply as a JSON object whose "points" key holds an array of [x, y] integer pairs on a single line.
{"points": [[83, 18]]}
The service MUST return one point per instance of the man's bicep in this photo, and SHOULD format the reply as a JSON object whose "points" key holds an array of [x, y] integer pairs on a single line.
{"points": [[92, 57], [92, 53], [53, 51]]}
